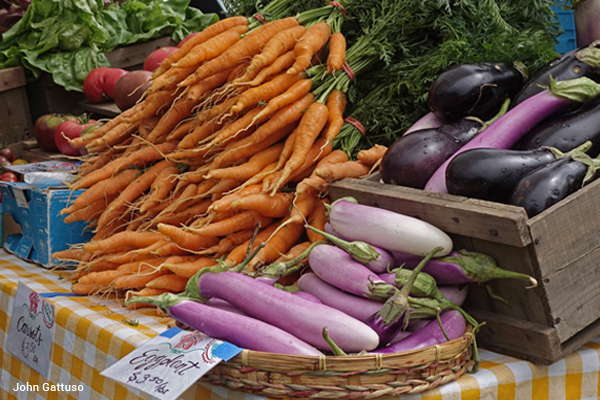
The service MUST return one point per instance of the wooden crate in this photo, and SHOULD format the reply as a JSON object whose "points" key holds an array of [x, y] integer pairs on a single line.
{"points": [[15, 119], [559, 247], [48, 97]]}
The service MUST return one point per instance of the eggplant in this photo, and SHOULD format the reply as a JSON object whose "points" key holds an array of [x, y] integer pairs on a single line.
{"points": [[547, 185], [413, 158], [565, 132], [474, 89], [491, 174], [574, 64]]}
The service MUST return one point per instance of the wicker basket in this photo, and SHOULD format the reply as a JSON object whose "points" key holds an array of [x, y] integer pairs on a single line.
{"points": [[352, 377]]}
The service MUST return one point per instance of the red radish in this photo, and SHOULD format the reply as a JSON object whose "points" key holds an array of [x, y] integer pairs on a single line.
{"points": [[67, 131], [155, 58]]}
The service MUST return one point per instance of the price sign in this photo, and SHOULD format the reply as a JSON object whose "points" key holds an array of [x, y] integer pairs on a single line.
{"points": [[165, 367], [31, 330]]}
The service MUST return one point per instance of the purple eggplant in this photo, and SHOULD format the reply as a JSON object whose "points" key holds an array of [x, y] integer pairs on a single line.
{"points": [[547, 185], [474, 89], [460, 267], [300, 317], [491, 174], [241, 330], [427, 121], [566, 132], [505, 132], [413, 158], [431, 334], [575, 64]]}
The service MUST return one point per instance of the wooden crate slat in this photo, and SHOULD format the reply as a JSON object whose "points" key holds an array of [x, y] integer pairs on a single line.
{"points": [[466, 217], [11, 78], [134, 55]]}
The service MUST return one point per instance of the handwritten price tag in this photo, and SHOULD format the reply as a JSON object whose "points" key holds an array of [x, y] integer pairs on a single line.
{"points": [[165, 367], [31, 330]]}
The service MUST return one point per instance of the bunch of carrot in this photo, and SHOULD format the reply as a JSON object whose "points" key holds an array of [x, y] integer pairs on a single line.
{"points": [[228, 138]]}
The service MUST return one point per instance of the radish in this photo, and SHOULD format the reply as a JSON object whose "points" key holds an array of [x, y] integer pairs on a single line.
{"points": [[508, 129], [300, 317], [431, 334], [387, 229], [243, 331]]}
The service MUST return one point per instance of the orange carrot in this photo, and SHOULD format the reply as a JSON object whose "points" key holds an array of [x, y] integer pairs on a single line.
{"points": [[295, 251], [249, 169], [92, 211], [196, 91], [337, 52], [188, 269], [279, 44], [135, 281], [279, 65], [238, 222], [224, 186], [265, 92], [171, 282], [311, 124], [113, 137], [228, 243], [104, 188], [142, 266], [311, 41], [147, 125], [238, 254], [207, 33], [317, 219], [188, 240], [336, 103], [212, 48], [163, 98], [184, 216], [169, 80], [186, 197], [293, 93], [216, 110], [280, 242], [179, 110], [136, 159], [247, 47], [165, 181], [131, 192], [335, 172], [100, 279], [224, 203], [276, 206], [184, 128], [122, 241], [82, 289], [371, 156], [237, 129]]}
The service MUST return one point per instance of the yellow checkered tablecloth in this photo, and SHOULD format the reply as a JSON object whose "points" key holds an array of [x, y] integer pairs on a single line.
{"points": [[90, 336]]}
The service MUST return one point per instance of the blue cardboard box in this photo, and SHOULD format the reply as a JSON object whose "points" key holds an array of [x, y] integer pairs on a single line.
{"points": [[33, 225]]}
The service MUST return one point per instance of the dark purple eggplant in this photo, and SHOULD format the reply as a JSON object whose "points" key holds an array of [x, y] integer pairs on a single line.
{"points": [[413, 158], [547, 185], [575, 64], [565, 132], [491, 174], [474, 89]]}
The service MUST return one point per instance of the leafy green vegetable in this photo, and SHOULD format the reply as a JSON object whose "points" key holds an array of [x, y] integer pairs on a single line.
{"points": [[68, 38]]}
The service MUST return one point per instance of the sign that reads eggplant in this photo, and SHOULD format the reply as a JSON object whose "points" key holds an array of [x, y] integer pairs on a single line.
{"points": [[31, 330], [166, 366]]}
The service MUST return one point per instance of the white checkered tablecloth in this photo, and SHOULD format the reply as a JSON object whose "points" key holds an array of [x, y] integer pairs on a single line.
{"points": [[90, 336]]}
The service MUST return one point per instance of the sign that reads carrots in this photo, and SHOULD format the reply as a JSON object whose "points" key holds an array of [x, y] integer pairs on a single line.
{"points": [[31, 330], [167, 365]]}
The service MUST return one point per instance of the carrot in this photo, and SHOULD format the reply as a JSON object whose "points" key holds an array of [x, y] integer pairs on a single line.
{"points": [[294, 252], [187, 240], [112, 137], [238, 222], [101, 130], [92, 211], [188, 269], [127, 256], [184, 128], [201, 132], [204, 86], [279, 44], [282, 62], [163, 98], [212, 48], [371, 156], [335, 172], [276, 206], [224, 203], [238, 254], [317, 219], [134, 281], [337, 52], [122, 241], [216, 111], [212, 217], [136, 159], [131, 192], [293, 93], [229, 242], [82, 289], [336, 103], [280, 242], [311, 124], [142, 266], [165, 181], [224, 186], [73, 254], [179, 110], [235, 129], [169, 80], [207, 33], [186, 197], [247, 47], [171, 282], [97, 163], [245, 148], [249, 169], [104, 188], [265, 92], [100, 279], [169, 250], [142, 293], [311, 41], [182, 217]]}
